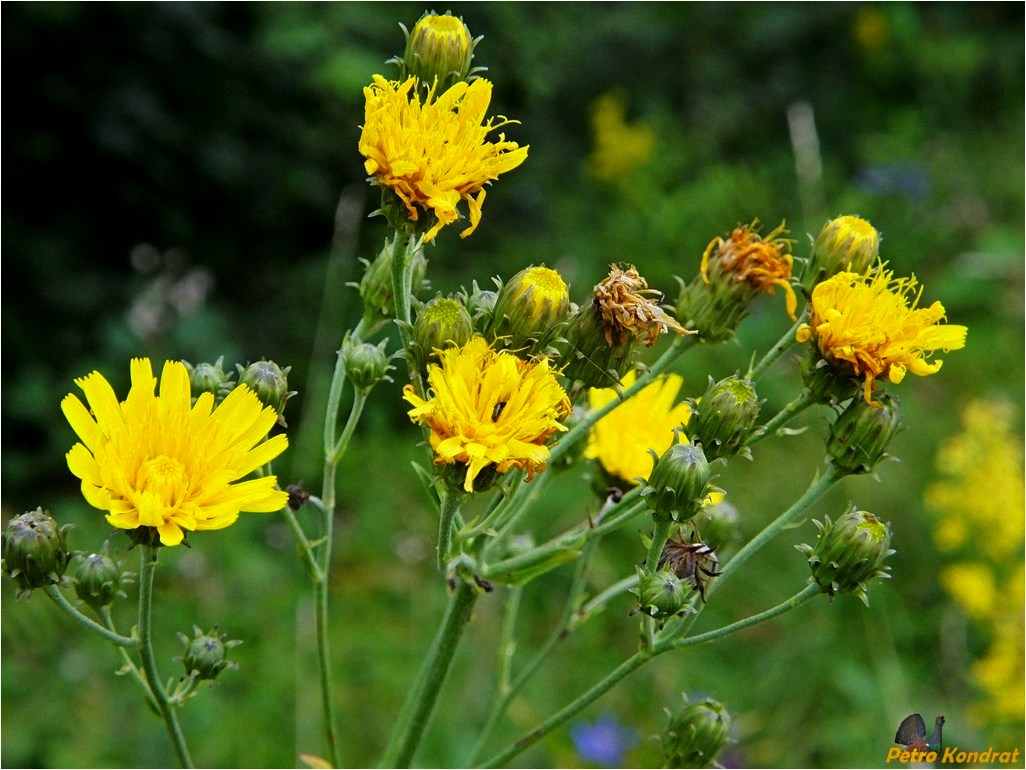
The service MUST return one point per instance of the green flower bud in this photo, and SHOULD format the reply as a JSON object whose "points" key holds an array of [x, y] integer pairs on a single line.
{"points": [[861, 434], [270, 383], [98, 580], [827, 384], [206, 655], [586, 357], [366, 364], [677, 485], [849, 553], [845, 243], [438, 47], [529, 308], [209, 378], [713, 309], [375, 286], [480, 304], [660, 594], [34, 552], [443, 322], [724, 418], [696, 734]]}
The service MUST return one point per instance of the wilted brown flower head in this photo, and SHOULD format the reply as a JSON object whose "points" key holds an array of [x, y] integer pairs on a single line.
{"points": [[629, 309]]}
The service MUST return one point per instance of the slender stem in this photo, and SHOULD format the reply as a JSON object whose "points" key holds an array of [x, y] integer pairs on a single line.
{"points": [[110, 635], [413, 719], [580, 430], [815, 491], [402, 282], [660, 535], [450, 506], [635, 661], [130, 666], [338, 381], [306, 547], [320, 589], [807, 593], [170, 716], [339, 450], [784, 344], [804, 400]]}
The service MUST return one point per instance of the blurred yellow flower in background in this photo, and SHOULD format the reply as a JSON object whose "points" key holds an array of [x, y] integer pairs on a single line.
{"points": [[620, 147], [987, 531], [435, 153], [621, 440], [157, 460]]}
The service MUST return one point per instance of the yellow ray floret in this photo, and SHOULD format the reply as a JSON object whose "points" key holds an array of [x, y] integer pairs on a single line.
{"points": [[488, 407], [870, 322], [156, 460], [434, 153]]}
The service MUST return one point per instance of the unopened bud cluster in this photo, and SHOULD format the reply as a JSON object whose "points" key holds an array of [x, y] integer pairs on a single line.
{"points": [[366, 364], [697, 733], [529, 308], [678, 484], [98, 580], [440, 48], [861, 434], [849, 553], [206, 654], [34, 551], [724, 418], [846, 243], [375, 285]]}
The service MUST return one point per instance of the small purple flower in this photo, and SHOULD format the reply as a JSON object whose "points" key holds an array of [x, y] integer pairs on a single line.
{"points": [[604, 742]]}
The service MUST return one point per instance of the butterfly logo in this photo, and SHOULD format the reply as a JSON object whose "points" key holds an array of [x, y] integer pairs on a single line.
{"points": [[912, 733]]}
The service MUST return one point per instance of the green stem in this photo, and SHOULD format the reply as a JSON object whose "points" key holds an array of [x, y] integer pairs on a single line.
{"points": [[111, 636], [338, 381], [807, 593], [580, 430], [635, 661], [450, 507], [129, 664], [660, 535], [402, 282], [320, 590], [337, 452], [815, 491], [170, 716], [804, 400], [784, 344], [416, 713]]}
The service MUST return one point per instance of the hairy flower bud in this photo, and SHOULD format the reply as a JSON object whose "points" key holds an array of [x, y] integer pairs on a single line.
{"points": [[696, 734], [34, 552], [660, 594], [724, 418], [209, 378], [206, 655], [861, 434], [677, 485], [375, 286], [366, 364], [849, 553], [98, 580], [270, 383], [442, 323], [845, 243], [529, 307], [438, 47]]}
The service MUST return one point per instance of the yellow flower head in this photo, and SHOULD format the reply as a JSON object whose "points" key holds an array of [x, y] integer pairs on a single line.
{"points": [[488, 407], [157, 460], [630, 310], [621, 440], [748, 258], [433, 153], [870, 323]]}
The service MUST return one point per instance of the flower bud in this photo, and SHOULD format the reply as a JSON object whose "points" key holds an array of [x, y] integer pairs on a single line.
{"points": [[442, 323], [677, 485], [861, 434], [529, 307], [209, 378], [849, 553], [696, 734], [206, 655], [845, 243], [98, 580], [724, 418], [34, 552], [375, 286], [827, 384], [480, 304], [270, 383], [366, 364], [438, 47], [660, 594], [585, 356]]}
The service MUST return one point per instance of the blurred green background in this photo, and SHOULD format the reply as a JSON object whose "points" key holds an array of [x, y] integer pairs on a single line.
{"points": [[182, 181]]}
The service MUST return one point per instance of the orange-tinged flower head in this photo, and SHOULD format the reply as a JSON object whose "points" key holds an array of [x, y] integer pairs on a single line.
{"points": [[156, 460], [871, 324], [490, 408], [748, 258], [433, 152], [621, 440]]}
